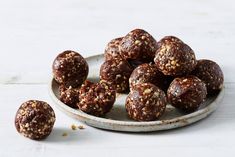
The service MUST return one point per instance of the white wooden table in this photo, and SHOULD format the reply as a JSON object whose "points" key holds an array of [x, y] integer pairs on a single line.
{"points": [[32, 33]]}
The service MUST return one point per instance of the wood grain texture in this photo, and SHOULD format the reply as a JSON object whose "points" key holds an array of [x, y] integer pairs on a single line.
{"points": [[33, 32]]}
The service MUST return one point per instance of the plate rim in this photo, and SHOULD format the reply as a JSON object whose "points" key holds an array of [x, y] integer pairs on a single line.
{"points": [[185, 118]]}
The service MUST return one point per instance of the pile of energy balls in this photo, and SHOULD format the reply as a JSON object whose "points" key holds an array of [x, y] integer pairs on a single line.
{"points": [[152, 73]]}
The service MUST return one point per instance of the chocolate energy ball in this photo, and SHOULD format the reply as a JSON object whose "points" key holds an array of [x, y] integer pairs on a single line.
{"points": [[96, 98], [187, 93], [116, 72], [210, 73], [112, 49], [138, 44], [148, 73], [146, 102], [173, 57], [69, 96], [70, 69], [35, 119]]}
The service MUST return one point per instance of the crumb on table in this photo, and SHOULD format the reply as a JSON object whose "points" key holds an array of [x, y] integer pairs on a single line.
{"points": [[65, 134]]}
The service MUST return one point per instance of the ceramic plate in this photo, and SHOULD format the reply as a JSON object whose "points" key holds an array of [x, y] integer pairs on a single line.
{"points": [[117, 118]]}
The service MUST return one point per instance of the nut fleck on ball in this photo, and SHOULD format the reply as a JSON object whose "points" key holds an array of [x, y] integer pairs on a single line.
{"points": [[96, 98], [35, 119], [70, 69], [187, 93], [210, 73], [146, 102], [112, 49], [116, 72], [138, 44], [173, 57], [69, 96], [148, 73]]}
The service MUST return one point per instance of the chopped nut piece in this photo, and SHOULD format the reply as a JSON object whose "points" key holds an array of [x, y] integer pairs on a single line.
{"points": [[65, 134], [73, 127], [81, 127]]}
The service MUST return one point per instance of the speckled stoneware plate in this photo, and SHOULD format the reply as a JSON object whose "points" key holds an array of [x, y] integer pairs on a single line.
{"points": [[118, 120]]}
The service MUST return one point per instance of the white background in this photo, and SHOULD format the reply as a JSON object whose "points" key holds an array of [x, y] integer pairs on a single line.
{"points": [[33, 32]]}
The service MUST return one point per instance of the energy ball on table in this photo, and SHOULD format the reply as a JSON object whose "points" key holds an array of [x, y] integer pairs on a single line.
{"points": [[116, 72], [173, 57], [112, 49], [187, 93], [70, 69], [148, 73], [146, 102], [210, 73], [69, 96], [138, 44], [35, 119], [96, 98]]}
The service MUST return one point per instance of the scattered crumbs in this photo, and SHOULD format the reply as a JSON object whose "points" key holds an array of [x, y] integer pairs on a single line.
{"points": [[81, 127], [65, 134], [73, 127]]}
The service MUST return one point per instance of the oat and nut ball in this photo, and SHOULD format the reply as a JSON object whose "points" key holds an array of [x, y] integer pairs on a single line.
{"points": [[70, 69], [146, 102], [187, 93], [35, 119], [112, 49], [210, 73], [173, 57], [148, 73], [69, 96], [96, 98], [116, 72], [138, 44]]}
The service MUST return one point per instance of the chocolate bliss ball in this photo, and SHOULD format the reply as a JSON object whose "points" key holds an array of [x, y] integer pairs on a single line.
{"points": [[112, 49], [210, 73], [148, 73], [96, 98], [173, 57], [187, 93], [35, 119], [70, 69], [69, 96], [138, 44], [116, 72], [146, 102]]}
